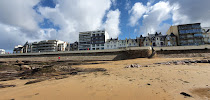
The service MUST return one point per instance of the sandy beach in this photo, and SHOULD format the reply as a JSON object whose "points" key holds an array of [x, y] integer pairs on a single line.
{"points": [[155, 82]]}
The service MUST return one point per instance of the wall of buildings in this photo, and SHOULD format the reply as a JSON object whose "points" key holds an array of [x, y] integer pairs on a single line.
{"points": [[44, 46]]}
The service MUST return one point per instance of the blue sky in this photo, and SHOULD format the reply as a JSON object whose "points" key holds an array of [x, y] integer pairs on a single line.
{"points": [[35, 20]]}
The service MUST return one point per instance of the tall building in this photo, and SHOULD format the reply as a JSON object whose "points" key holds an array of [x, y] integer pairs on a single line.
{"points": [[44, 46], [187, 34], [92, 40]]}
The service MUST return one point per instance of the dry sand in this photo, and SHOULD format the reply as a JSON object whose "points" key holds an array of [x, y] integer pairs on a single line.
{"points": [[119, 83]]}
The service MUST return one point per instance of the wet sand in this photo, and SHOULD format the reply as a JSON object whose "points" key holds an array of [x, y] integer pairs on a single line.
{"points": [[157, 82]]}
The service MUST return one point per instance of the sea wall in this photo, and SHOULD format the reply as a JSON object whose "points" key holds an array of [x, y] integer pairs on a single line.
{"points": [[97, 55]]}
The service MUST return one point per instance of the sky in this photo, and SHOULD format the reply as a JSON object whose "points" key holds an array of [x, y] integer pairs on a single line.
{"points": [[35, 20]]}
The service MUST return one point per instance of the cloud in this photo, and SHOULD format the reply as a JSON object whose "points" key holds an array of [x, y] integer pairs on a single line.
{"points": [[11, 37], [18, 22], [136, 13], [153, 16], [191, 11], [112, 23], [20, 13], [127, 4], [74, 16]]}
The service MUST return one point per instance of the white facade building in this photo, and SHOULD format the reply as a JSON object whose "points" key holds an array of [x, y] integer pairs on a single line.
{"points": [[111, 44], [2, 51], [118, 44]]}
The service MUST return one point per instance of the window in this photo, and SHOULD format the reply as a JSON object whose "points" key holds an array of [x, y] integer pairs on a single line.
{"points": [[107, 46], [134, 43], [93, 48], [93, 45], [157, 38], [93, 34], [97, 44], [102, 48], [102, 44], [129, 44], [115, 46]]}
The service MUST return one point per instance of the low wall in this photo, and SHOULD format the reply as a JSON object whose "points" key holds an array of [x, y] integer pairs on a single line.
{"points": [[98, 55], [182, 48]]}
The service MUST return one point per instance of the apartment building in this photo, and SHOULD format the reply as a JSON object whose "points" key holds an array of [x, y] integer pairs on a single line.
{"points": [[44, 46], [92, 40], [84, 41], [187, 34], [206, 35], [2, 51]]}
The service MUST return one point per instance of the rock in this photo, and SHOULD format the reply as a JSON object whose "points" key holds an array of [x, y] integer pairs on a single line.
{"points": [[5, 86], [3, 62], [198, 61], [127, 66], [146, 66], [73, 73], [185, 94], [25, 67], [204, 61], [158, 63], [192, 61], [148, 84]]}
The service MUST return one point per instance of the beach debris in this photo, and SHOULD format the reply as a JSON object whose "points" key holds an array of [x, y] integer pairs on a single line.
{"points": [[184, 62], [133, 66], [148, 84], [185, 94]]}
